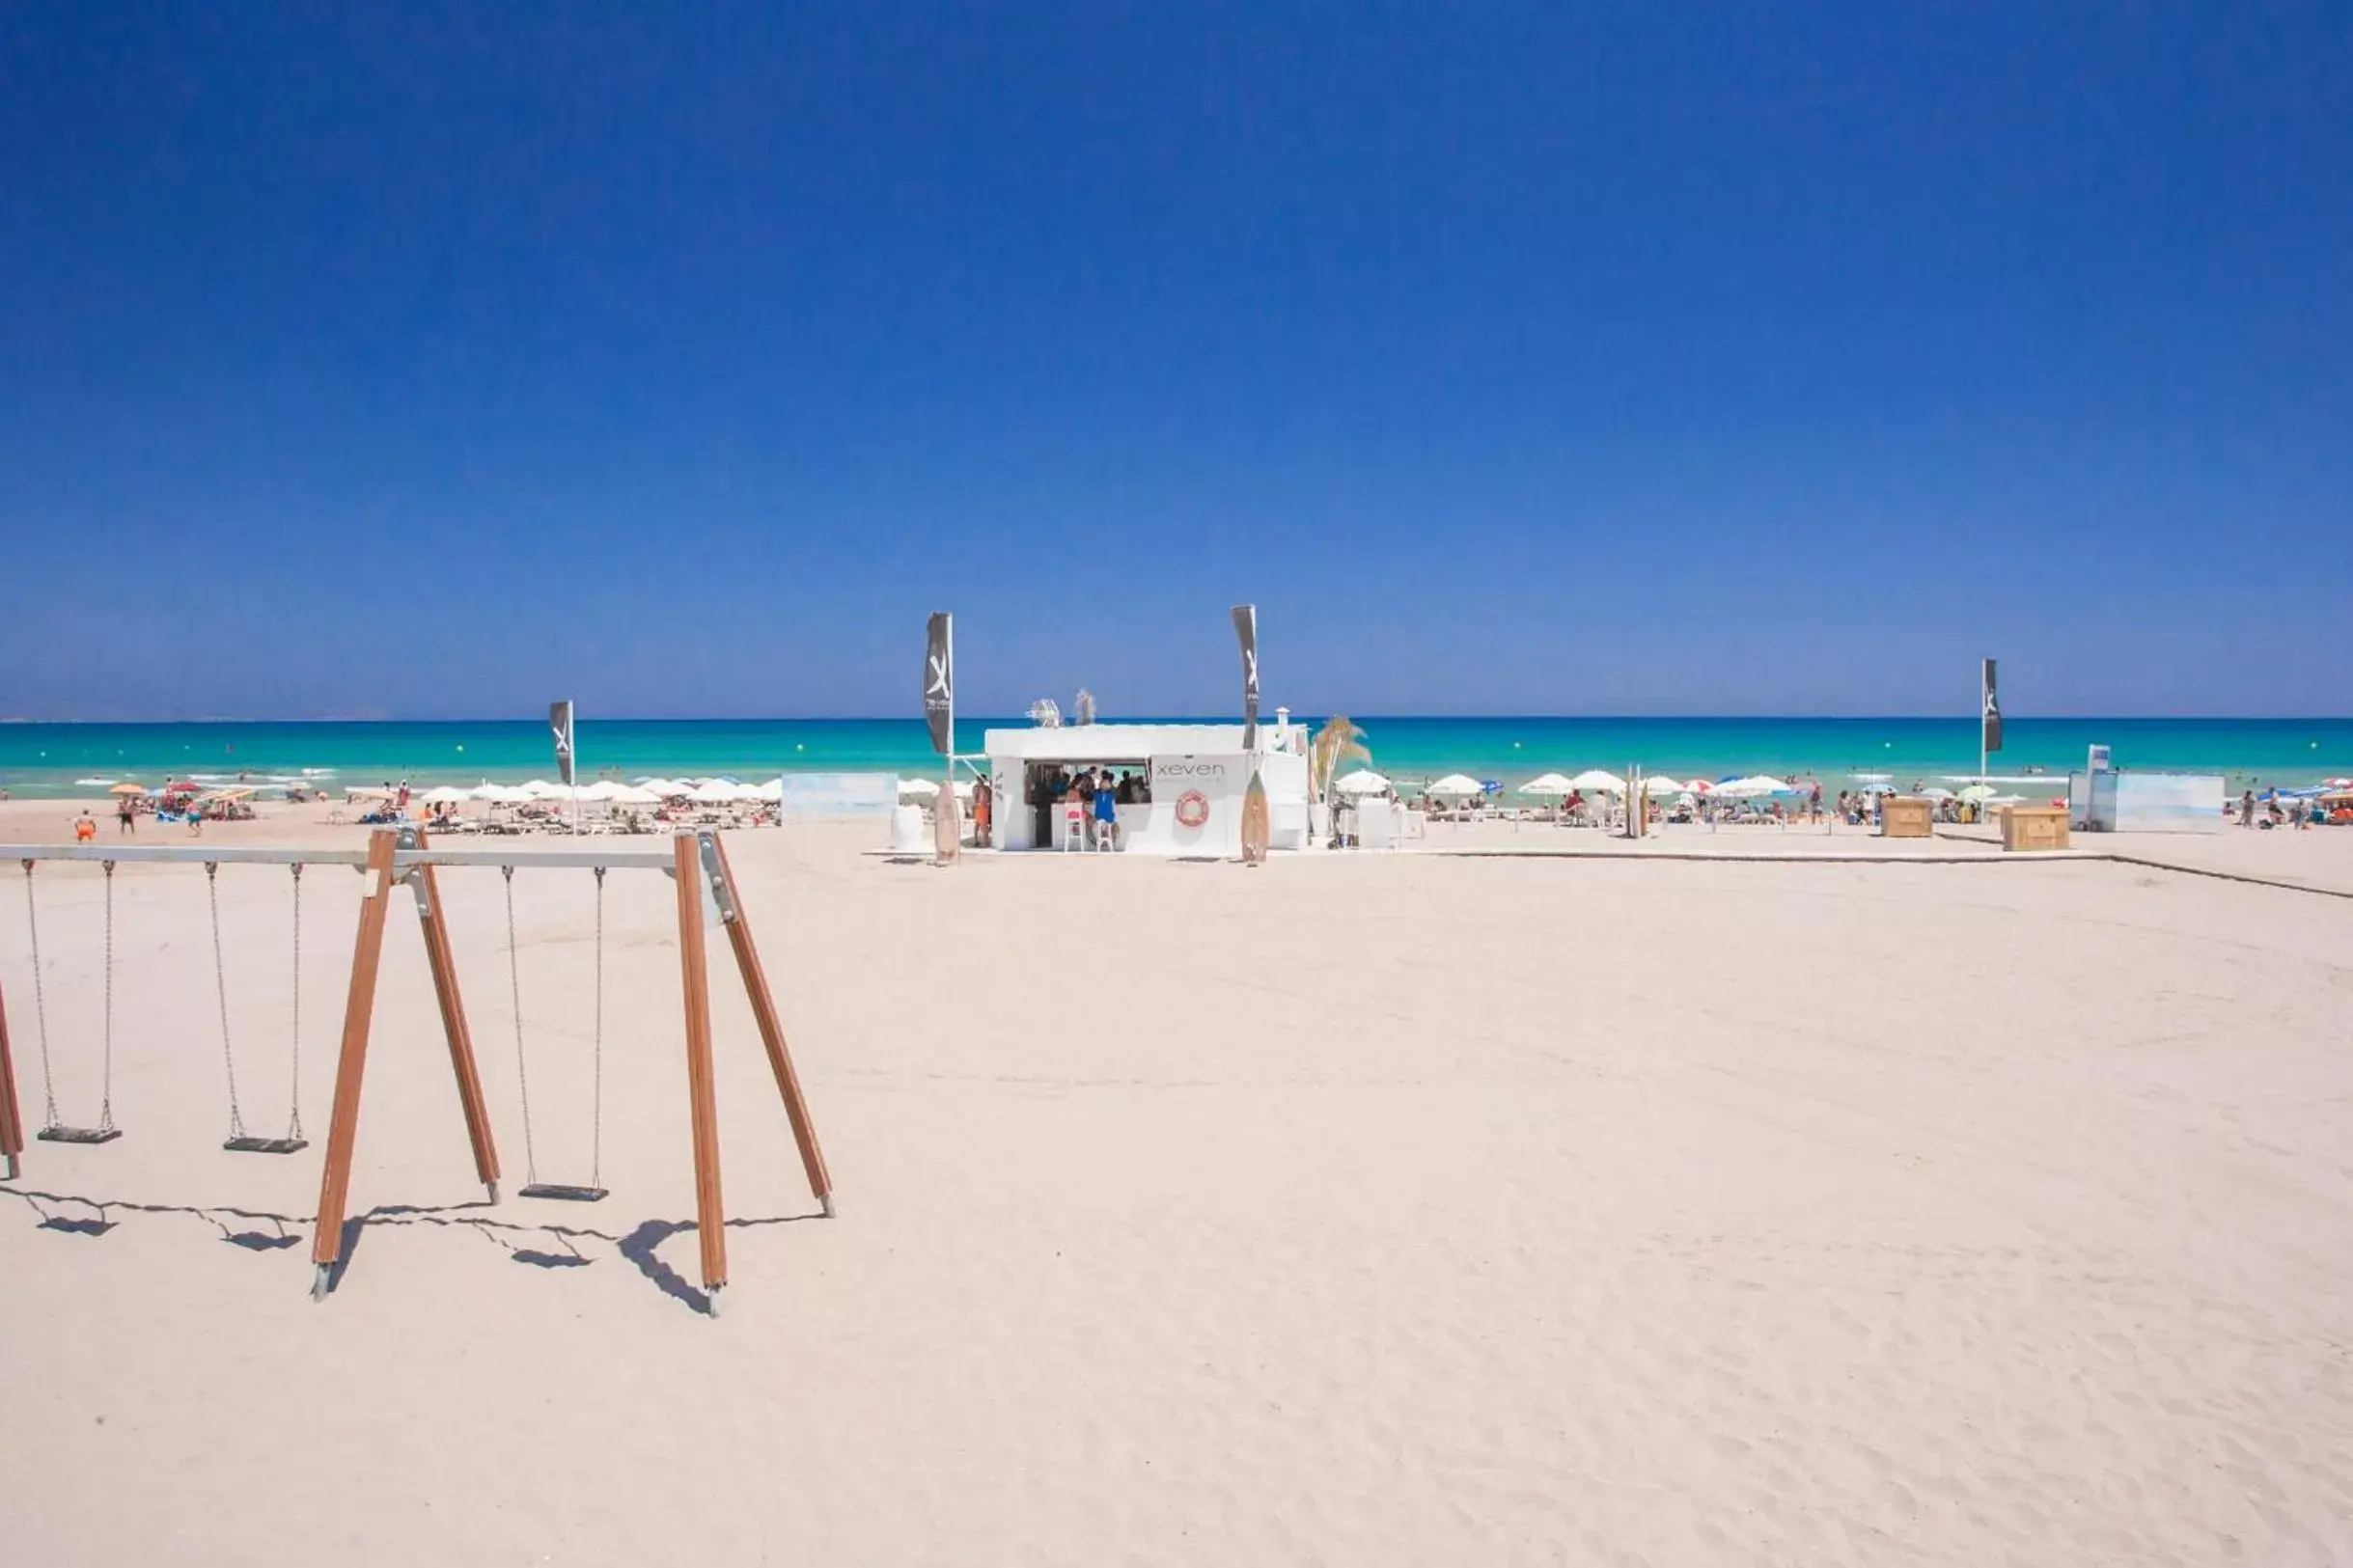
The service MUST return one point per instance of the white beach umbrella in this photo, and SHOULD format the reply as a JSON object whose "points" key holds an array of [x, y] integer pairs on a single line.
{"points": [[1363, 782], [1458, 785], [1757, 784], [544, 789], [1978, 792], [1609, 783], [502, 794], [921, 788], [1936, 792], [445, 796], [633, 795], [663, 789], [603, 790], [717, 793], [1549, 783], [1660, 785], [773, 791]]}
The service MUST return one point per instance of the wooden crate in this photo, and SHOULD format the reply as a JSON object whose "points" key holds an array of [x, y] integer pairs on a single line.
{"points": [[1908, 817], [2034, 827]]}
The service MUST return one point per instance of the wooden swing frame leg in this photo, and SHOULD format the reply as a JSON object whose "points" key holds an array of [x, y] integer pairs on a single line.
{"points": [[710, 1213], [772, 1026], [12, 1118], [440, 956], [359, 1016], [351, 1062]]}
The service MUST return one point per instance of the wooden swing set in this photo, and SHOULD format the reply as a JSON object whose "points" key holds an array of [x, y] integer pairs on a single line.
{"points": [[395, 857]]}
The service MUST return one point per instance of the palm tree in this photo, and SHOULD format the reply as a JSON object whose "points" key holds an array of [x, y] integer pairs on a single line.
{"points": [[1338, 741]]}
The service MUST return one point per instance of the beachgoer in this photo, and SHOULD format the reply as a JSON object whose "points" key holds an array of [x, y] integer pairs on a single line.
{"points": [[984, 802], [1106, 811], [1815, 805], [196, 819], [126, 817], [1041, 809], [85, 827], [2246, 810]]}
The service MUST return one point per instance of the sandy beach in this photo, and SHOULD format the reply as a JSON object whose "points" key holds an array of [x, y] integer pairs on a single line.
{"points": [[1398, 1209]]}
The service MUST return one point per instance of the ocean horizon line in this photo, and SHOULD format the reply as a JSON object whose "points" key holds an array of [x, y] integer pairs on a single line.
{"points": [[1300, 715]]}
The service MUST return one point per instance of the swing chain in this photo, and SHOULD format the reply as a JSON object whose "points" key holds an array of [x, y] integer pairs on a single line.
{"points": [[220, 986], [106, 1104], [41, 1006], [514, 992], [294, 1119], [597, 1117]]}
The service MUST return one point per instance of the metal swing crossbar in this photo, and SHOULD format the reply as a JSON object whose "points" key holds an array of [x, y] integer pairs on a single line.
{"points": [[403, 857]]}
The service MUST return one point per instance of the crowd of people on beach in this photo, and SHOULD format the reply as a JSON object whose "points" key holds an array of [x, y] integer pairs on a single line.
{"points": [[2273, 811]]}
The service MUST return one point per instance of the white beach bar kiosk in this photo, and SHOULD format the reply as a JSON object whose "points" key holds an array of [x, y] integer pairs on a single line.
{"points": [[1194, 775]]}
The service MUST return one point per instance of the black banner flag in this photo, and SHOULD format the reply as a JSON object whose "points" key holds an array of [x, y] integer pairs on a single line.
{"points": [[1246, 627], [560, 720], [1993, 712], [939, 682]]}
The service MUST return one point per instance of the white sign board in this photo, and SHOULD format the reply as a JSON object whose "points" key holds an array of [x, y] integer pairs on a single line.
{"points": [[1200, 799]]}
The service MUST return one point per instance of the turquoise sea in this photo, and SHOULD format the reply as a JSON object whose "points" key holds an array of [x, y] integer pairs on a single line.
{"points": [[50, 760]]}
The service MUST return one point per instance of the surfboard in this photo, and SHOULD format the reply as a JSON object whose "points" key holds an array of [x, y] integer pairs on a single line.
{"points": [[946, 823], [1256, 828]]}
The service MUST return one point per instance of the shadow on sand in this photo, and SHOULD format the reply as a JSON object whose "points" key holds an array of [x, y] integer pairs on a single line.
{"points": [[552, 1247]]}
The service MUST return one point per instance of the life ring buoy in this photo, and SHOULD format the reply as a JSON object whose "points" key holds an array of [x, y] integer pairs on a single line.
{"points": [[1192, 808]]}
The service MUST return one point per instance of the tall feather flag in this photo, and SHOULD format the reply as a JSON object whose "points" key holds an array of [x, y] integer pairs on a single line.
{"points": [[1246, 628], [560, 720], [1255, 809], [939, 681], [1992, 719]]}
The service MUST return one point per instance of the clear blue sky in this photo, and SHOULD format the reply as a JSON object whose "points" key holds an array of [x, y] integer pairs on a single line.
{"points": [[428, 361]]}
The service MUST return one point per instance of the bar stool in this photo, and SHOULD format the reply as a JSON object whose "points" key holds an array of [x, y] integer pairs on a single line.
{"points": [[1075, 824]]}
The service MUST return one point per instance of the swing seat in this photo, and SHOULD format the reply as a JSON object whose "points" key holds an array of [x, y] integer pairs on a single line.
{"points": [[564, 1191], [250, 1145], [78, 1135]]}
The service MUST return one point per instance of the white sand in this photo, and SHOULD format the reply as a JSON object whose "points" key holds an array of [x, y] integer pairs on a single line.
{"points": [[1362, 1210]]}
